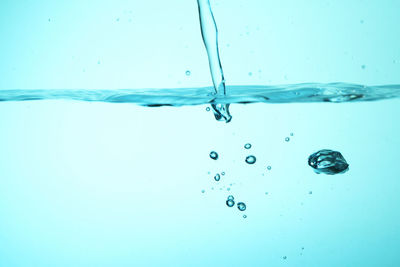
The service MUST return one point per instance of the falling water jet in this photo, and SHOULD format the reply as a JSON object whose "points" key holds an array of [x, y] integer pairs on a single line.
{"points": [[209, 32]]}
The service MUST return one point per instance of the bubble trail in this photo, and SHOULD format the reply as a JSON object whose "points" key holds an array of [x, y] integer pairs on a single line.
{"points": [[209, 33], [328, 161]]}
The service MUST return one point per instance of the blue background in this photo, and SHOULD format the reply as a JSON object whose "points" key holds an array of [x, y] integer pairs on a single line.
{"points": [[96, 184]]}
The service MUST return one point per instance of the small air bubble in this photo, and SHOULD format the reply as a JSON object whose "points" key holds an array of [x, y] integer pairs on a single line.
{"points": [[188, 73], [310, 193], [269, 168], [363, 67], [117, 19], [284, 257], [250, 159], [217, 177], [287, 139], [230, 197], [247, 146], [291, 134], [250, 74], [222, 173], [203, 191], [208, 109], [214, 155], [241, 206], [245, 216]]}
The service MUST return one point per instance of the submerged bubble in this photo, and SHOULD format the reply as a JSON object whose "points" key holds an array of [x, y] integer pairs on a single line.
{"points": [[363, 67], [230, 197], [214, 155], [203, 191], [284, 257], [230, 203], [188, 73], [328, 161], [241, 206], [291, 134], [247, 146], [287, 139], [223, 173], [245, 216], [217, 177], [251, 159], [269, 168], [208, 109]]}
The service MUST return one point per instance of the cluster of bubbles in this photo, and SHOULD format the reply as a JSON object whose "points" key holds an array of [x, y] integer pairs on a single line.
{"points": [[230, 202]]}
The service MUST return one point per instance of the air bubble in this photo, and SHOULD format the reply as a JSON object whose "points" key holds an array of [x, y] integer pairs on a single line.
{"points": [[222, 173], [247, 146], [208, 109], [245, 216], [250, 159], [230, 197], [269, 168], [287, 139], [328, 161], [217, 177], [241, 206], [214, 155], [230, 203], [188, 73]]}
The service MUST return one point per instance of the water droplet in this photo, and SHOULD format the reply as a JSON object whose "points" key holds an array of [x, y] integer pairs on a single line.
{"points": [[230, 197], [363, 67], [208, 109], [230, 203], [328, 161], [217, 177], [223, 173], [188, 73], [269, 168], [247, 146], [241, 206], [251, 159], [245, 216], [287, 139], [214, 155]]}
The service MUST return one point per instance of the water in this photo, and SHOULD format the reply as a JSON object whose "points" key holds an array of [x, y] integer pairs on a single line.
{"points": [[294, 93], [209, 32], [124, 177]]}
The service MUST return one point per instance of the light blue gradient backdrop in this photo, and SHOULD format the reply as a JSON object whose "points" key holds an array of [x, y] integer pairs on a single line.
{"points": [[96, 184]]}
